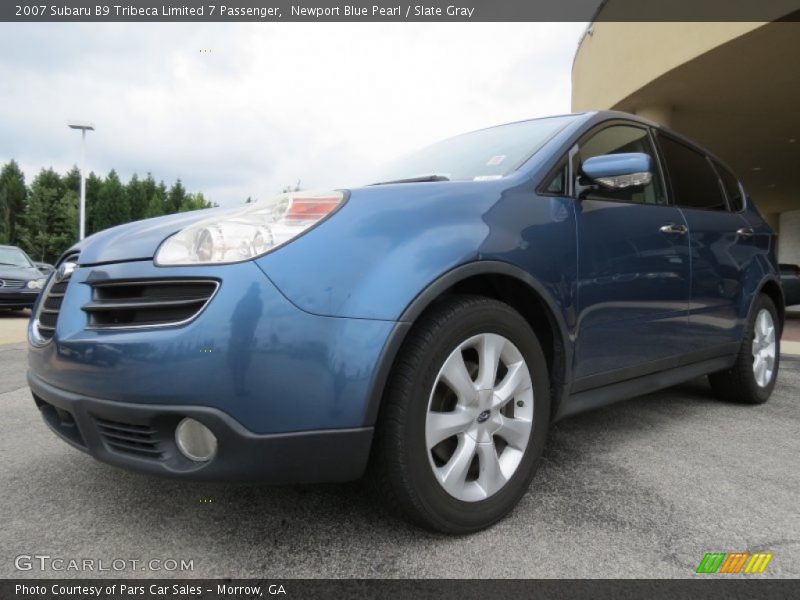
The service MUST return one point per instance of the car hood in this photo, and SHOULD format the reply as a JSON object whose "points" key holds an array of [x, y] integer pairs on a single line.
{"points": [[23, 273], [138, 240]]}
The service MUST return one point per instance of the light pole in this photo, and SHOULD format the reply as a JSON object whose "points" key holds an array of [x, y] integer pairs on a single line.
{"points": [[84, 126]]}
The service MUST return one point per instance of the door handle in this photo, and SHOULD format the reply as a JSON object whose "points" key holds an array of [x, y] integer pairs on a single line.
{"points": [[673, 228], [745, 232]]}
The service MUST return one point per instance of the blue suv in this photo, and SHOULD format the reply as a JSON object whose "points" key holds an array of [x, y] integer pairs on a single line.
{"points": [[432, 324]]}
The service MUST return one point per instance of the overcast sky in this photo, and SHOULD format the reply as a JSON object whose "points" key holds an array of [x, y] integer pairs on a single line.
{"points": [[265, 105]]}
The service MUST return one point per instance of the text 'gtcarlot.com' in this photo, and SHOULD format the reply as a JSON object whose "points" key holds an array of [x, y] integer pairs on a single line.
{"points": [[43, 562]]}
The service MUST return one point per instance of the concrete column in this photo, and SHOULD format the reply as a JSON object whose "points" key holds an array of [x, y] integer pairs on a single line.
{"points": [[660, 113], [789, 237]]}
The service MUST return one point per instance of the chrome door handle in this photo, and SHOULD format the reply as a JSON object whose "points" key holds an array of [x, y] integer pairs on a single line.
{"points": [[745, 232], [673, 228]]}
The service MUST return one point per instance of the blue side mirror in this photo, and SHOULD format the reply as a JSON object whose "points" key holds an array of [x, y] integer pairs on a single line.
{"points": [[618, 171]]}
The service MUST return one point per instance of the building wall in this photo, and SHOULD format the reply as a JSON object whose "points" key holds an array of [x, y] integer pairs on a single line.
{"points": [[614, 60]]}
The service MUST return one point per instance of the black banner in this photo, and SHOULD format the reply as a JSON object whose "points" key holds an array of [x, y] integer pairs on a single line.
{"points": [[205, 589], [391, 10]]}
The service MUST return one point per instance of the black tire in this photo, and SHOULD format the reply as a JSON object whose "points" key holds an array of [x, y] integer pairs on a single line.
{"points": [[401, 464], [738, 384]]}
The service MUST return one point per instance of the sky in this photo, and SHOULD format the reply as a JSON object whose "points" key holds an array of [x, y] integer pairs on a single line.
{"points": [[238, 110]]}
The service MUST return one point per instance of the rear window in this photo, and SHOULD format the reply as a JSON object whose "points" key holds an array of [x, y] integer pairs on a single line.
{"points": [[732, 188], [694, 181]]}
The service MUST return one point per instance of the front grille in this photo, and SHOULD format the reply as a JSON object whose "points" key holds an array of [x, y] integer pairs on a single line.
{"points": [[12, 284], [52, 297], [129, 438], [147, 303]]}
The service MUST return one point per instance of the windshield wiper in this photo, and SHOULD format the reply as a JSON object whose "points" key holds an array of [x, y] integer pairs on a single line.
{"points": [[420, 179], [5, 264]]}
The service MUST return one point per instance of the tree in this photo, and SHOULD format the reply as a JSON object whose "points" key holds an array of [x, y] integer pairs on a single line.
{"points": [[195, 202], [13, 195], [93, 186], [156, 197], [176, 197], [46, 227], [112, 207], [291, 188], [136, 194]]}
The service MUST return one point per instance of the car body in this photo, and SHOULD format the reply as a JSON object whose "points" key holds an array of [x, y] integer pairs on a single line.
{"points": [[286, 356], [45, 268], [790, 282], [20, 280]]}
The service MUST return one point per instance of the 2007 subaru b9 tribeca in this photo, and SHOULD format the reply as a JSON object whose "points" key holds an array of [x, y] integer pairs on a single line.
{"points": [[434, 323]]}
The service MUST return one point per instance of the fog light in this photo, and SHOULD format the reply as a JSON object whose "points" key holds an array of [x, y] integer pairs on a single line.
{"points": [[195, 440]]}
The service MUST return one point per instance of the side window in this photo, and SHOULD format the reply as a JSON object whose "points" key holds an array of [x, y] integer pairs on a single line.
{"points": [[558, 184], [620, 139], [732, 188], [694, 182]]}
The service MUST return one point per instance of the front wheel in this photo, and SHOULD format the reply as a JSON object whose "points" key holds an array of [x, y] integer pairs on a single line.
{"points": [[753, 376], [464, 418]]}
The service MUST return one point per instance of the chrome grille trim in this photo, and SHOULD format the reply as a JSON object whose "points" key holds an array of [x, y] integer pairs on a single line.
{"points": [[188, 304], [45, 319]]}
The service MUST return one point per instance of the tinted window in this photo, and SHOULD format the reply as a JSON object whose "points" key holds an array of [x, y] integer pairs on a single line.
{"points": [[620, 139], [694, 182], [732, 188], [558, 185]]}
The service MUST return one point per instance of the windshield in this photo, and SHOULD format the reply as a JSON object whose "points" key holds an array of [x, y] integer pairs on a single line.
{"points": [[14, 257], [484, 154]]}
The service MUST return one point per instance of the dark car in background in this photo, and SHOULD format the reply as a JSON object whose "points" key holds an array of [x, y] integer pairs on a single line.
{"points": [[434, 323], [20, 279], [790, 282]]}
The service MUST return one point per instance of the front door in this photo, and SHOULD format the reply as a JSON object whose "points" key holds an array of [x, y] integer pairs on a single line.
{"points": [[633, 272]]}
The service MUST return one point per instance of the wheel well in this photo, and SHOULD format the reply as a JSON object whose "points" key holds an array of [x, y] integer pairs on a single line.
{"points": [[534, 310], [773, 290]]}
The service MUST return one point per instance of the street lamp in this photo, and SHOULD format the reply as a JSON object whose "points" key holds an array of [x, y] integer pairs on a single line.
{"points": [[84, 126]]}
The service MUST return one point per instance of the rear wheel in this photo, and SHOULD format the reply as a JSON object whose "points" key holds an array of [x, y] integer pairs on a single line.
{"points": [[464, 417], [753, 376]]}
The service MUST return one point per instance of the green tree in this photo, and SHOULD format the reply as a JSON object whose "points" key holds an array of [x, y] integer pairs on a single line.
{"points": [[195, 202], [176, 197], [136, 193], [93, 186], [47, 229], [112, 206], [156, 197], [13, 195]]}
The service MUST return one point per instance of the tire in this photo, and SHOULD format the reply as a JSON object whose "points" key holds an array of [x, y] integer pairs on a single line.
{"points": [[408, 471], [740, 383]]}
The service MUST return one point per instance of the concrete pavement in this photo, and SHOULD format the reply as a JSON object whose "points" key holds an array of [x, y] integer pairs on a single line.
{"points": [[640, 489]]}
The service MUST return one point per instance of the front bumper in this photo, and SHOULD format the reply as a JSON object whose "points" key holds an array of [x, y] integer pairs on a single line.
{"points": [[18, 299], [140, 437]]}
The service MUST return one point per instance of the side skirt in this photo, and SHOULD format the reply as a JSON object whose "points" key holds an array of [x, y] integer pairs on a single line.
{"points": [[609, 394]]}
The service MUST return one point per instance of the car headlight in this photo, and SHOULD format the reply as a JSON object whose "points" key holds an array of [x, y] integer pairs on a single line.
{"points": [[250, 232], [36, 284]]}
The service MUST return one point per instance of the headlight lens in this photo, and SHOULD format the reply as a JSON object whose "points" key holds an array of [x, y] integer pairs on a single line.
{"points": [[249, 232], [36, 284]]}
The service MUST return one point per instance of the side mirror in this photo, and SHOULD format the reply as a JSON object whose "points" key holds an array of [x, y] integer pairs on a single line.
{"points": [[45, 268], [619, 171]]}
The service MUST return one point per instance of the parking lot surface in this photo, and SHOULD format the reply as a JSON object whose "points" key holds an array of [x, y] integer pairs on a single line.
{"points": [[640, 489]]}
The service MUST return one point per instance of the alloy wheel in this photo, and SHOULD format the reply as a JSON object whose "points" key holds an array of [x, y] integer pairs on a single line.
{"points": [[480, 417], [764, 348]]}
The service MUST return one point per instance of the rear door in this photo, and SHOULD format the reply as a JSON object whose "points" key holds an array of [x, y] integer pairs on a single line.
{"points": [[720, 240], [633, 270]]}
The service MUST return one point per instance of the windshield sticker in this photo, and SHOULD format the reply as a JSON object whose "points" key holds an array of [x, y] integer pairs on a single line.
{"points": [[496, 160]]}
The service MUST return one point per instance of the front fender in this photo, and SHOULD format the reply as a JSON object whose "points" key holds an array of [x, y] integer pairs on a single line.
{"points": [[386, 245]]}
